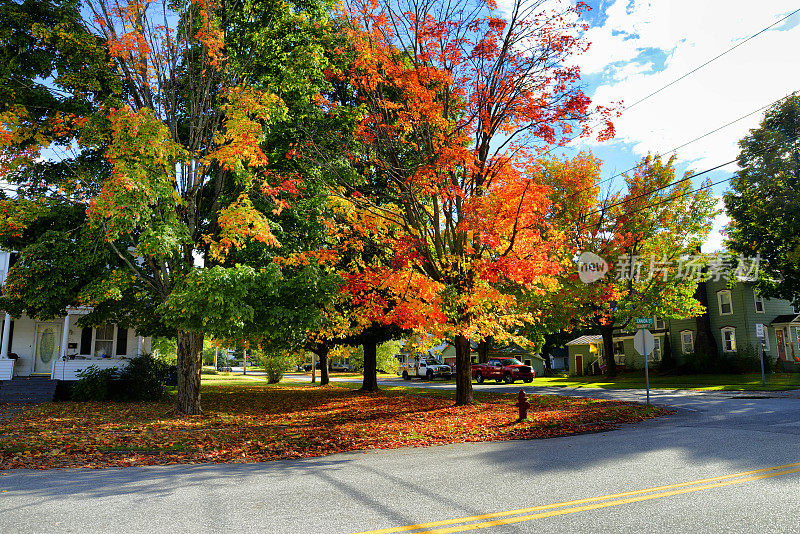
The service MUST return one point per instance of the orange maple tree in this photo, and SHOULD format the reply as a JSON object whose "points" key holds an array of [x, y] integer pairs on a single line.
{"points": [[454, 106]]}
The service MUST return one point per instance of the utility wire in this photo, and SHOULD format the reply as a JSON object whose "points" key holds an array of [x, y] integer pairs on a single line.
{"points": [[682, 145], [673, 82], [675, 182]]}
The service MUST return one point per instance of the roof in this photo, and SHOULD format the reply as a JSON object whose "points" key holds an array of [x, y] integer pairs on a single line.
{"points": [[784, 319], [585, 340]]}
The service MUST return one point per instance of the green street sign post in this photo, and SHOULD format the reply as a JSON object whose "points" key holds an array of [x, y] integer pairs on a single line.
{"points": [[644, 322]]}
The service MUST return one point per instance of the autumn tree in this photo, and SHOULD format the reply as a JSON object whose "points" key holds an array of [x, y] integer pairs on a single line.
{"points": [[178, 103], [648, 236], [454, 102]]}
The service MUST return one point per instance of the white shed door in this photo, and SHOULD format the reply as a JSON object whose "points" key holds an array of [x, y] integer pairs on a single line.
{"points": [[48, 340]]}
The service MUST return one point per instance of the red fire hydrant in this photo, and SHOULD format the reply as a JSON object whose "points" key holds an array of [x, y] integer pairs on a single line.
{"points": [[523, 405]]}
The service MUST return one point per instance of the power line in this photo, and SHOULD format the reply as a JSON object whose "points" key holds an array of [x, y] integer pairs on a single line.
{"points": [[662, 188], [675, 182], [682, 145], [673, 82]]}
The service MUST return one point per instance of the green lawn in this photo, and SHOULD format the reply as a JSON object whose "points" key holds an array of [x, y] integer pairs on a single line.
{"points": [[743, 382], [631, 380]]}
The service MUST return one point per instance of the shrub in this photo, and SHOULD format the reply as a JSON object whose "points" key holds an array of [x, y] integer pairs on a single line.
{"points": [[94, 384], [743, 361], [143, 379], [275, 365]]}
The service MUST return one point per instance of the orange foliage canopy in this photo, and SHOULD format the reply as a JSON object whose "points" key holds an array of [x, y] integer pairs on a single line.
{"points": [[456, 107]]}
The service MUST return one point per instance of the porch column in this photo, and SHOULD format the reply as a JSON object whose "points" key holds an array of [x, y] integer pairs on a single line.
{"points": [[64, 338], [138, 345], [6, 332]]}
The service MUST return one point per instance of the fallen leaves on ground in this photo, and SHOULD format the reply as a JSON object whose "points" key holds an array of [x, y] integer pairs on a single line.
{"points": [[253, 423]]}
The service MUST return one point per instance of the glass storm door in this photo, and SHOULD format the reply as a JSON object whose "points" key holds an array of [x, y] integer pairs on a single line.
{"points": [[781, 345], [48, 338]]}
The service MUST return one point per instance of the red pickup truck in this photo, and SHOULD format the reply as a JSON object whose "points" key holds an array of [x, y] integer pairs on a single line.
{"points": [[507, 369]]}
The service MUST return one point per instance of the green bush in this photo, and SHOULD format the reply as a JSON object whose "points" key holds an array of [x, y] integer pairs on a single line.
{"points": [[275, 365], [743, 361], [143, 379], [94, 384]]}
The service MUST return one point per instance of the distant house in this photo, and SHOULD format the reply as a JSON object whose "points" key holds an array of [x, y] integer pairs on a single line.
{"points": [[731, 318], [59, 348]]}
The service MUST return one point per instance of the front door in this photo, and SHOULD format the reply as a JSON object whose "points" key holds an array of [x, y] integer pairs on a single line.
{"points": [[48, 340], [579, 364], [781, 343]]}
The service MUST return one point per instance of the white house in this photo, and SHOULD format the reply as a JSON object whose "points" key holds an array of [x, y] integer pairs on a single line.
{"points": [[60, 348]]}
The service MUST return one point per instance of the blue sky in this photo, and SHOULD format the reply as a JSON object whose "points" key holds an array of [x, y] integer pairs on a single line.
{"points": [[639, 46]]}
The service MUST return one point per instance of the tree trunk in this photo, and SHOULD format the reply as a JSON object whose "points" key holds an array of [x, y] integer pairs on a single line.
{"points": [[548, 362], [322, 352], [463, 372], [370, 365], [705, 342], [190, 361], [607, 330], [483, 349]]}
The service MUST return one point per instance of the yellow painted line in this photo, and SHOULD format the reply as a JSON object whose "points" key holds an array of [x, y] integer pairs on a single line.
{"points": [[565, 511], [492, 515]]}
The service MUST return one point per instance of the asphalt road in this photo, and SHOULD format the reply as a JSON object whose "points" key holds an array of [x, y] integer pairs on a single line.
{"points": [[618, 479]]}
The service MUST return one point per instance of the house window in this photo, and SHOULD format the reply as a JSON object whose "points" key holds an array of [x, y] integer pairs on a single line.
{"points": [[104, 340], [725, 302], [759, 302], [658, 323], [729, 339], [619, 352], [687, 341], [656, 349]]}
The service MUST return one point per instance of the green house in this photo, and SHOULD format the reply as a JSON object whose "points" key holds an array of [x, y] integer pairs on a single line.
{"points": [[732, 318]]}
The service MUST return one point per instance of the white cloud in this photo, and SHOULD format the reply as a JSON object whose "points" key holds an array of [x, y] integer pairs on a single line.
{"points": [[638, 34], [716, 238]]}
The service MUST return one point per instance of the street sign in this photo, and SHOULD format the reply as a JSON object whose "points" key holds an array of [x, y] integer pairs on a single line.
{"points": [[644, 342], [644, 322], [759, 330]]}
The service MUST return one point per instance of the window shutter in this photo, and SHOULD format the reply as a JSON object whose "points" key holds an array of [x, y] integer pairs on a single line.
{"points": [[86, 340], [11, 337], [122, 341]]}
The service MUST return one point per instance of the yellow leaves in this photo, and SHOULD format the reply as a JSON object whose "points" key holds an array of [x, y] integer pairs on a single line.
{"points": [[246, 110], [238, 223]]}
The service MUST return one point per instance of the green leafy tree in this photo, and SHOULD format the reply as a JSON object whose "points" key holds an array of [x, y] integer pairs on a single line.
{"points": [[164, 140], [764, 201]]}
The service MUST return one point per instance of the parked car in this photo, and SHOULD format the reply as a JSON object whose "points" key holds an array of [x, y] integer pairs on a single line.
{"points": [[340, 366], [503, 369]]}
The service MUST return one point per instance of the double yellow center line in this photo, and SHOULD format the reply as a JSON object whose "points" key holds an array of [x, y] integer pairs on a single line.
{"points": [[592, 503]]}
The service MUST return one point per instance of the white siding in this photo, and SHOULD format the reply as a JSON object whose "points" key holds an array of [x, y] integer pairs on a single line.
{"points": [[6, 369], [24, 342], [69, 369]]}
